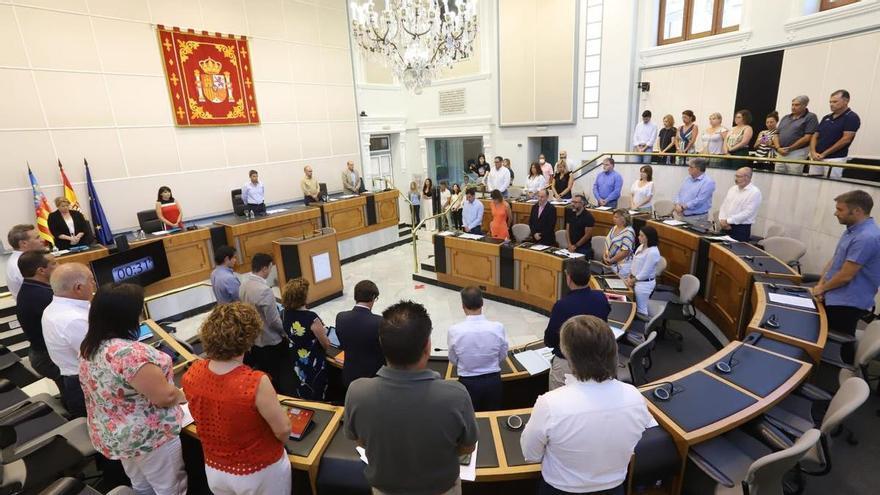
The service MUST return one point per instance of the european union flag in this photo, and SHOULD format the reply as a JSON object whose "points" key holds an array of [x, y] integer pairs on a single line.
{"points": [[99, 219]]}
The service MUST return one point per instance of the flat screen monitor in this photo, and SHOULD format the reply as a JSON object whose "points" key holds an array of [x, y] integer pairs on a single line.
{"points": [[142, 265]]}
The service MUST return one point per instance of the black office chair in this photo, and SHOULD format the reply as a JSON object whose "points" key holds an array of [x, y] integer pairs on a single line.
{"points": [[149, 222], [675, 307], [13, 370], [238, 205], [633, 368], [40, 467], [322, 187]]}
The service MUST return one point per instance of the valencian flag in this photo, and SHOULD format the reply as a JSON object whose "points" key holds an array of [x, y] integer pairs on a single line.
{"points": [[69, 193], [99, 220], [41, 209]]}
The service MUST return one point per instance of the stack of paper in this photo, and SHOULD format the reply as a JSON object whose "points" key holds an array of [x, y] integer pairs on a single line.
{"points": [[726, 238], [560, 202], [539, 247], [566, 252], [616, 284], [674, 223], [603, 208], [471, 236], [801, 302], [535, 361], [275, 210], [444, 233]]}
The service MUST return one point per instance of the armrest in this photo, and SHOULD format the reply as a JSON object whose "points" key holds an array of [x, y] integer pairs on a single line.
{"points": [[6, 386], [813, 393], [8, 435], [841, 338], [64, 486], [772, 436], [710, 470]]}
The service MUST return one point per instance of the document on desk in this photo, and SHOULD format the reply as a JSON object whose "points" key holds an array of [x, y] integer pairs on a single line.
{"points": [[725, 238], [615, 284], [60, 252], [566, 252], [346, 196], [468, 472], [674, 223], [636, 212], [603, 208], [801, 302], [444, 233], [539, 247], [618, 332], [187, 418], [536, 360], [362, 452], [560, 202], [275, 210], [473, 237], [161, 232]]}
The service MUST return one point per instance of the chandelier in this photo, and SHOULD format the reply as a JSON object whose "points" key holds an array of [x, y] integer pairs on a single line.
{"points": [[416, 38]]}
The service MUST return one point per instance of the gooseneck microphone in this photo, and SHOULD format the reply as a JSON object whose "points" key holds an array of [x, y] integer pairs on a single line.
{"points": [[772, 322], [664, 391]]}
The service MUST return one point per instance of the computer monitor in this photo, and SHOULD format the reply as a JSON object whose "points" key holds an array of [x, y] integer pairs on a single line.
{"points": [[142, 265]]}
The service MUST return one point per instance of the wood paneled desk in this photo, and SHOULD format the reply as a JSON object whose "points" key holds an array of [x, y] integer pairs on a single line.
{"points": [[251, 236], [522, 209], [94, 252], [360, 214], [801, 327]]}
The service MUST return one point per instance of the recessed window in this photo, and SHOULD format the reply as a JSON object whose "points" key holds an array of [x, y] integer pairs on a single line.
{"points": [[590, 143], [681, 20], [833, 4]]}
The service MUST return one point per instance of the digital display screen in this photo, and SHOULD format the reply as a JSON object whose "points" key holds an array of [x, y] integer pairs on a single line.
{"points": [[143, 265], [133, 269]]}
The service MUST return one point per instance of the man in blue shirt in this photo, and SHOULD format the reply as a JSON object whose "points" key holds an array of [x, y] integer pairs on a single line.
{"points": [[253, 194], [608, 184], [472, 213], [581, 300], [694, 199], [223, 279], [836, 131], [850, 280]]}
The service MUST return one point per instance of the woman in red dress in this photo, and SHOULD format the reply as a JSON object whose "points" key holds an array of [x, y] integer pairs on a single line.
{"points": [[168, 210]]}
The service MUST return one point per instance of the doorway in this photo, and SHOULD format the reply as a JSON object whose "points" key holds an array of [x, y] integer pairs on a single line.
{"points": [[448, 157], [543, 145]]}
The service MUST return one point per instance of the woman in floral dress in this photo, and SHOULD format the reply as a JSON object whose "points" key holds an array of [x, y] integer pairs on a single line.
{"points": [[308, 340]]}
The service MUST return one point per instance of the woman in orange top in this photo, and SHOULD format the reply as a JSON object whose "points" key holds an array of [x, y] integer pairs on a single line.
{"points": [[242, 426], [168, 210], [501, 216]]}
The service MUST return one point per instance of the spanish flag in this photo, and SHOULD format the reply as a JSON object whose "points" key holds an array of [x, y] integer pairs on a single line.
{"points": [[69, 193], [41, 209]]}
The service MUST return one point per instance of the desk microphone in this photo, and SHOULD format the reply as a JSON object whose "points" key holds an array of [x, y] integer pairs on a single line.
{"points": [[664, 391], [750, 259], [774, 287], [772, 322], [438, 349]]}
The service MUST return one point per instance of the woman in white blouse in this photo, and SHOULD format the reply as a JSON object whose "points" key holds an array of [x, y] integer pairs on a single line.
{"points": [[643, 190], [536, 180], [644, 269]]}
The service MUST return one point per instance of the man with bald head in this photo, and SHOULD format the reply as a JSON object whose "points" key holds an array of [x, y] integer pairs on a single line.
{"points": [[65, 323], [542, 220], [351, 180], [740, 207], [310, 187]]}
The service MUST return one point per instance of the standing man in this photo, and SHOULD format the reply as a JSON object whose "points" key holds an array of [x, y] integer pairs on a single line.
{"points": [[477, 347], [694, 199], [351, 179], [836, 131], [740, 207], [644, 137], [413, 424], [581, 300], [224, 282], [579, 227], [35, 295], [542, 220], [499, 177], [253, 194], [850, 279], [310, 188], [445, 202], [65, 323], [358, 332], [546, 169], [472, 213], [608, 184], [795, 133], [22, 238], [269, 351]]}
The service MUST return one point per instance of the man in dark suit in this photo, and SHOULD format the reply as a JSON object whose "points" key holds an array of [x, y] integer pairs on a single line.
{"points": [[358, 332], [542, 220]]}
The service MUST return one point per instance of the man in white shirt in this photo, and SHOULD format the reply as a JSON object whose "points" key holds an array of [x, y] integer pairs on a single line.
{"points": [[740, 207], [477, 347], [65, 323], [584, 433], [498, 177], [22, 237], [644, 137], [546, 169]]}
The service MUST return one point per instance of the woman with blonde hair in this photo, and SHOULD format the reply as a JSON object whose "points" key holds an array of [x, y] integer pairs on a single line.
{"points": [[713, 136], [415, 199], [562, 181], [242, 427], [308, 340], [68, 226]]}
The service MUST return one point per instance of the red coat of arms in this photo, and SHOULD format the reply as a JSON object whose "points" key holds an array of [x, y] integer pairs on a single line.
{"points": [[209, 77]]}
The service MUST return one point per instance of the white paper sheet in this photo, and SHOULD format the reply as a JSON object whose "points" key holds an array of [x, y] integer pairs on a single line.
{"points": [[362, 452], [801, 302], [444, 233], [616, 284], [533, 361], [674, 223], [275, 210], [469, 472], [474, 237], [187, 416], [635, 212], [721, 238], [60, 252], [539, 247], [160, 232], [603, 208], [565, 252], [560, 202], [618, 332], [321, 267], [346, 196]]}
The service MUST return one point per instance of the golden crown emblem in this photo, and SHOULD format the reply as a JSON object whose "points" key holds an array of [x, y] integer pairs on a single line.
{"points": [[210, 66]]}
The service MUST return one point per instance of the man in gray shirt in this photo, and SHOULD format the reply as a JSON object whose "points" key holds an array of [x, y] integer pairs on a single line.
{"points": [[413, 424], [795, 131], [224, 282], [270, 349]]}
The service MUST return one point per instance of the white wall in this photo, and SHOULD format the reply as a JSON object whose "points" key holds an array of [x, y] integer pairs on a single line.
{"points": [[84, 79]]}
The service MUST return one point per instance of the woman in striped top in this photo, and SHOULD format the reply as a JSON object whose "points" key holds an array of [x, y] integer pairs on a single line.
{"points": [[619, 243]]}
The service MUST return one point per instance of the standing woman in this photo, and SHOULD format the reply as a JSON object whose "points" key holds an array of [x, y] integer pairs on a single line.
{"points": [[642, 190], [69, 227], [499, 228], [242, 427], [428, 202], [416, 200], [619, 243], [644, 269], [687, 136], [562, 181], [133, 406], [506, 164], [308, 340], [667, 139], [168, 210], [713, 138], [457, 200], [767, 141], [482, 166], [738, 139], [536, 180]]}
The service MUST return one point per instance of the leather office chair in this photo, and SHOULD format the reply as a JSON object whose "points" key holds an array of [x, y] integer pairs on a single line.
{"points": [[322, 188], [562, 238], [521, 231], [35, 422], [774, 231], [663, 207], [867, 349], [633, 368], [787, 249], [149, 222], [598, 245], [13, 370], [674, 307], [238, 205], [10, 395], [40, 467]]}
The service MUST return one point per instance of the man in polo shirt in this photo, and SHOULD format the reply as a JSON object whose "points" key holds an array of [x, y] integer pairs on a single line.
{"points": [[836, 131], [795, 132], [35, 295], [579, 230], [850, 280], [581, 300], [413, 424]]}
